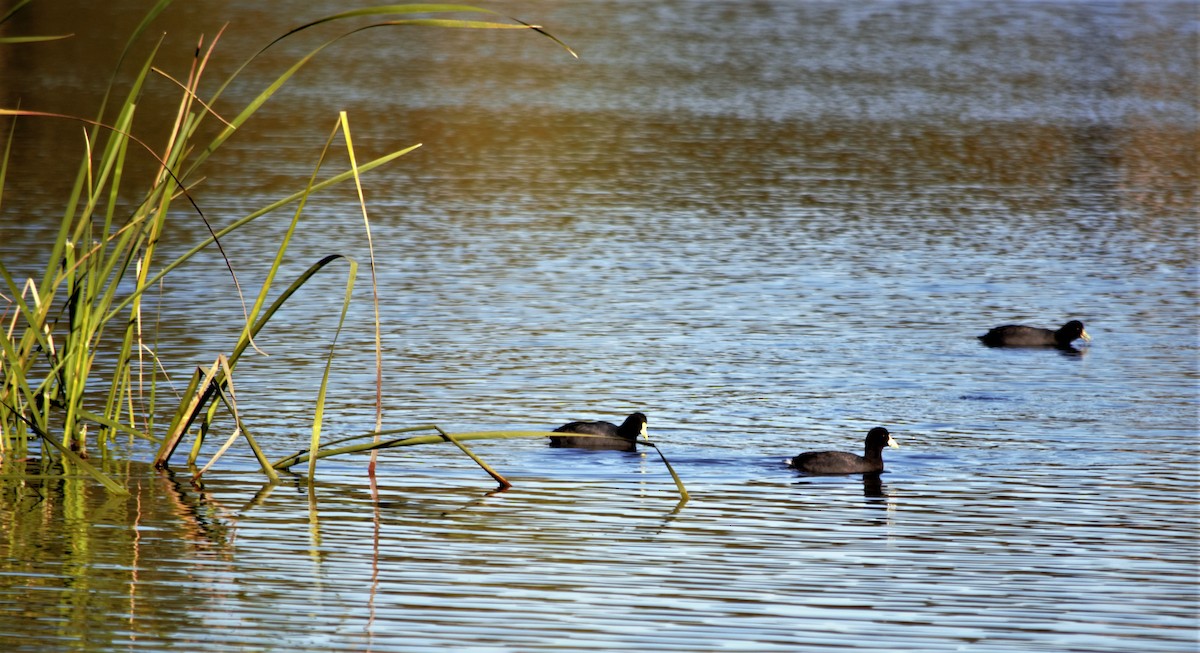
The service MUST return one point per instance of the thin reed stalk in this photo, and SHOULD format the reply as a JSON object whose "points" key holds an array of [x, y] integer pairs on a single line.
{"points": [[58, 328], [375, 444]]}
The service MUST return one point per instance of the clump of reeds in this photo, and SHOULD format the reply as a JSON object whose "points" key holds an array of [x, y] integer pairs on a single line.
{"points": [[105, 261]]}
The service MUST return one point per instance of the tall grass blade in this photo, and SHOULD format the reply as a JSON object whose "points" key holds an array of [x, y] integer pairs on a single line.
{"points": [[230, 401], [182, 419], [319, 411], [416, 8], [201, 392], [299, 195], [115, 425], [12, 130], [14, 9], [108, 483], [344, 120]]}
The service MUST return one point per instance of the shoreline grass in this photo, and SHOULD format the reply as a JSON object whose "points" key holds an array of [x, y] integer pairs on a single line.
{"points": [[105, 261]]}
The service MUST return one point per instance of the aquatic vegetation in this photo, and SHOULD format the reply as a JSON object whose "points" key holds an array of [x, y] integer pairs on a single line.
{"points": [[91, 301]]}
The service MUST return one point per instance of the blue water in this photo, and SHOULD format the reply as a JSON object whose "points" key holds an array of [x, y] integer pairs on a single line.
{"points": [[768, 226]]}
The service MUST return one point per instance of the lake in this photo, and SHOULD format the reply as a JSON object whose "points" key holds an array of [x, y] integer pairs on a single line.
{"points": [[769, 226]]}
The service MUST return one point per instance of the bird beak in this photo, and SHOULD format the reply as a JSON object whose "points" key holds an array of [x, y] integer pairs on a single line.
{"points": [[892, 443], [1085, 336]]}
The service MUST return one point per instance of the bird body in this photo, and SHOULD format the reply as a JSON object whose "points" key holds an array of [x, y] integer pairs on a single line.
{"points": [[839, 462], [611, 436], [1018, 335]]}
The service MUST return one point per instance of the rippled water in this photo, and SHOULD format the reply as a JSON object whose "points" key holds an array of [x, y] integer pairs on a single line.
{"points": [[769, 226]]}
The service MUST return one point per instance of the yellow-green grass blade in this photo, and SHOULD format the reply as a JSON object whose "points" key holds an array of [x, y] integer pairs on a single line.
{"points": [[186, 256], [230, 402], [107, 482], [424, 8], [382, 10], [200, 393], [683, 493], [34, 320], [12, 10], [184, 413], [14, 40], [344, 120], [319, 411], [25, 39], [115, 425], [283, 297], [12, 130], [456, 438], [504, 484], [302, 456]]}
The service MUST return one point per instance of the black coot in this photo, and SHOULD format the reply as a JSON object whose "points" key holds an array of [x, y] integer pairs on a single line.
{"points": [[620, 438], [837, 462], [1016, 335]]}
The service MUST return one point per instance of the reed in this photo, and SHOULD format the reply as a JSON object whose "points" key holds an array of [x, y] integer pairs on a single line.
{"points": [[104, 262], [371, 442]]}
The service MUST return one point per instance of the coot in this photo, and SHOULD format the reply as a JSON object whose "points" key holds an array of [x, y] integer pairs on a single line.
{"points": [[1016, 335], [621, 438], [837, 462]]}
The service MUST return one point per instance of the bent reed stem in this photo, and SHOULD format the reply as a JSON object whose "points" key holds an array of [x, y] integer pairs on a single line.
{"points": [[105, 259]]}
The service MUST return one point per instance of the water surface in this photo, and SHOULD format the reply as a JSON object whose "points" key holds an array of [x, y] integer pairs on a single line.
{"points": [[768, 226]]}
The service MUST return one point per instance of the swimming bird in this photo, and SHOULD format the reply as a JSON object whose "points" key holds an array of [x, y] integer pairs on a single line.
{"points": [[1016, 335], [837, 462], [620, 438]]}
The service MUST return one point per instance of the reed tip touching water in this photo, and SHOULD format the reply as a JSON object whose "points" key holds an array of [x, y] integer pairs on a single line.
{"points": [[106, 262]]}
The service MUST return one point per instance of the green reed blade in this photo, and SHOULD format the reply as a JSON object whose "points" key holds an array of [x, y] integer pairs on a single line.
{"points": [[34, 320], [186, 256], [12, 10], [416, 8], [456, 438], [319, 411], [115, 425], [230, 401], [683, 493], [181, 421], [302, 456], [344, 121], [107, 482], [200, 392], [504, 484], [12, 130], [13, 40]]}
